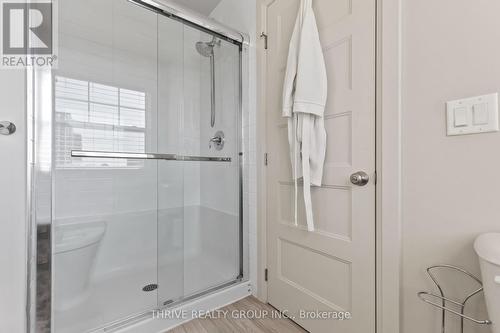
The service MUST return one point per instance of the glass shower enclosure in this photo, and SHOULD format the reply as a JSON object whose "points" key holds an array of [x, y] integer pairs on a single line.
{"points": [[138, 165]]}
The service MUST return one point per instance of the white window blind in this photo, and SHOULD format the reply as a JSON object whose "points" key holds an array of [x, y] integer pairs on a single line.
{"points": [[96, 117]]}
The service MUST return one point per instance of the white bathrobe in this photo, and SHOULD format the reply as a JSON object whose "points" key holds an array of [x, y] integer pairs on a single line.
{"points": [[304, 99]]}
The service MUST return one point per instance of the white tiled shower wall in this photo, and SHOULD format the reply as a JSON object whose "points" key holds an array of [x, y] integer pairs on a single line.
{"points": [[241, 15]]}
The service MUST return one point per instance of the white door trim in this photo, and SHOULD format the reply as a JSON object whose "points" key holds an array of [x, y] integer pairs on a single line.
{"points": [[261, 144], [388, 146]]}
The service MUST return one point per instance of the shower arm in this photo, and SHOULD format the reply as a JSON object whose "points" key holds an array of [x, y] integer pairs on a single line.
{"points": [[212, 88]]}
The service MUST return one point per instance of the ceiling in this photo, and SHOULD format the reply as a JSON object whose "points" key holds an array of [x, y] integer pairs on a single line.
{"points": [[204, 7]]}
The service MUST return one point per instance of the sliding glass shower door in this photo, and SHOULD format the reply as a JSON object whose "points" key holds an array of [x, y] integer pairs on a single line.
{"points": [[146, 164], [206, 225], [105, 214]]}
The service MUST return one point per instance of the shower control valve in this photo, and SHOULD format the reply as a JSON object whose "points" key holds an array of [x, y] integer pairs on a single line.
{"points": [[217, 141], [7, 128]]}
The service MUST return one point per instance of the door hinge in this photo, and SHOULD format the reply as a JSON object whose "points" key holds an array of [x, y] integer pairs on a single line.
{"points": [[265, 274], [266, 159], [375, 178], [266, 37]]}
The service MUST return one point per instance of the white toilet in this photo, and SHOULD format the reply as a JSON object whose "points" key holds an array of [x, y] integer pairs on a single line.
{"points": [[487, 247], [76, 246]]}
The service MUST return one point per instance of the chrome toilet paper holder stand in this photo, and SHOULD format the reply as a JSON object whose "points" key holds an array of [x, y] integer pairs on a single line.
{"points": [[428, 297]]}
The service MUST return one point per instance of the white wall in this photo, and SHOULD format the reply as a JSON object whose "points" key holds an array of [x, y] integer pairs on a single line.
{"points": [[241, 15], [450, 189], [13, 203]]}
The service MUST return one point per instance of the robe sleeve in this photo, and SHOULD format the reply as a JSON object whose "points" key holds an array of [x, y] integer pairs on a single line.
{"points": [[311, 80]]}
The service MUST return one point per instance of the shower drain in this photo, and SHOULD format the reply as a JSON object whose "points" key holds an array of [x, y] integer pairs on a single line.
{"points": [[150, 287]]}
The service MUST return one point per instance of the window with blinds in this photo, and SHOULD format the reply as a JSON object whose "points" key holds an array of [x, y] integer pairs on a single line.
{"points": [[97, 117]]}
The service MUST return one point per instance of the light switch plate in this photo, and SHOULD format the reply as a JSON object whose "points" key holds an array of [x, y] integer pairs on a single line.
{"points": [[473, 115]]}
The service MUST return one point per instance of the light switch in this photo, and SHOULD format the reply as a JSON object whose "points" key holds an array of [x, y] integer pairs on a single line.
{"points": [[460, 115], [473, 115], [480, 112]]}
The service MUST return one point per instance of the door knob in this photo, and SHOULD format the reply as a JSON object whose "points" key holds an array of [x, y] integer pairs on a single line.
{"points": [[7, 128], [360, 178]]}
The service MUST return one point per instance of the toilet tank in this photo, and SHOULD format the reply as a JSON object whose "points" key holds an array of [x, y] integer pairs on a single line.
{"points": [[487, 247]]}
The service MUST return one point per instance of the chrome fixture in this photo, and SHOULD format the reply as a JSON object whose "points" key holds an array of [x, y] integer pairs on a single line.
{"points": [[147, 156], [217, 141], [150, 287], [174, 10], [206, 49], [360, 178], [7, 128], [440, 301]]}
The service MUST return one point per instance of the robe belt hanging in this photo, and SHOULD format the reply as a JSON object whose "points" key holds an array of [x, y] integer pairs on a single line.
{"points": [[304, 100]]}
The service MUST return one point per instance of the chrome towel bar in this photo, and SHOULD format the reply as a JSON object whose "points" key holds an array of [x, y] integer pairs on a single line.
{"points": [[147, 156]]}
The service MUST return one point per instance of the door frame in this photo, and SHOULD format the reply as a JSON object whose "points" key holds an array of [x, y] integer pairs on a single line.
{"points": [[388, 162]]}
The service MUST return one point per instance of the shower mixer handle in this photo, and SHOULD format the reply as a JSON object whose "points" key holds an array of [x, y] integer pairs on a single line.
{"points": [[7, 128], [217, 140]]}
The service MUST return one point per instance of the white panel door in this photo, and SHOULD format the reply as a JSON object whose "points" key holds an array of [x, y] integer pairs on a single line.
{"points": [[333, 268]]}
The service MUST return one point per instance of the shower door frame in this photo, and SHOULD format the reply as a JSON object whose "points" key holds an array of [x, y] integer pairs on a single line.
{"points": [[37, 108]]}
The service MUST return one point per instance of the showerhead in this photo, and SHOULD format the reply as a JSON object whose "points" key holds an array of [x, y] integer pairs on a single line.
{"points": [[206, 49]]}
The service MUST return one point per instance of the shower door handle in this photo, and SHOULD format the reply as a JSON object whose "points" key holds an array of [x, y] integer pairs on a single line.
{"points": [[148, 156], [7, 128]]}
